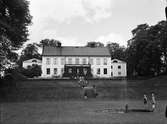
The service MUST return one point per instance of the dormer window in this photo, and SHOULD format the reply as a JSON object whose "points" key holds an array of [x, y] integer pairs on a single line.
{"points": [[34, 60], [115, 61]]}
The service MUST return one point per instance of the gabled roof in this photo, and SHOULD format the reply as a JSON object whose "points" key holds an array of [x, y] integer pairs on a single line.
{"points": [[33, 60], [117, 61], [75, 51]]}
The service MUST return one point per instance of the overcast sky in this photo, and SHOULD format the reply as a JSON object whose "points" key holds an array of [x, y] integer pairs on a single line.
{"points": [[75, 22]]}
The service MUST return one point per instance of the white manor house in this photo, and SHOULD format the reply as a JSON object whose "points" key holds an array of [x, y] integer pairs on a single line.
{"points": [[67, 61]]}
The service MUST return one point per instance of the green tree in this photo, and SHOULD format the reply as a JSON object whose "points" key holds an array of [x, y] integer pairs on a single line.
{"points": [[29, 52], [144, 51], [94, 44], [33, 71], [14, 19], [117, 51], [50, 42]]}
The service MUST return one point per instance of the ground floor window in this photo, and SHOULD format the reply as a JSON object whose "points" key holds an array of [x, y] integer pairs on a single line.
{"points": [[55, 71], [48, 71], [62, 70], [119, 73], [111, 73], [98, 71], [105, 70]]}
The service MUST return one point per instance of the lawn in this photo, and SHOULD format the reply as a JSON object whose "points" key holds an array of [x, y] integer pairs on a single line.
{"points": [[61, 102], [80, 112]]}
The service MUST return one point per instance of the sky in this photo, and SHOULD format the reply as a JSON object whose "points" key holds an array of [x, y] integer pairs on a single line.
{"points": [[76, 22]]}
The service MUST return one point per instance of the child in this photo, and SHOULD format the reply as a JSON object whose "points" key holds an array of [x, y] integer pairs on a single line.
{"points": [[153, 102], [145, 99]]}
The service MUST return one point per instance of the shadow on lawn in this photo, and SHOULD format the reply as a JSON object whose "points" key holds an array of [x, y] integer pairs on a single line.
{"points": [[140, 110]]}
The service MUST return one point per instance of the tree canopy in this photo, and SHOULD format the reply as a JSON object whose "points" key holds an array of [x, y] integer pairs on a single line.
{"points": [[29, 52], [147, 48], [117, 51], [14, 21], [50, 42], [94, 44]]}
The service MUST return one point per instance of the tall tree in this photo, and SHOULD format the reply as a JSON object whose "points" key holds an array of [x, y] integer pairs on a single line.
{"points": [[14, 19], [117, 51], [144, 50], [29, 52], [50, 42], [94, 44]]}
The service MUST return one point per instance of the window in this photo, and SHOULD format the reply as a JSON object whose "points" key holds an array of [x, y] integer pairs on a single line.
{"points": [[91, 61], [111, 73], [62, 70], [70, 70], [97, 61], [48, 71], [85, 71], [84, 61], [62, 61], [34, 60], [111, 67], [77, 61], [105, 70], [55, 71], [105, 61], [69, 60], [34, 65], [98, 71], [28, 66], [55, 61], [48, 61], [119, 73], [119, 67], [77, 70]]}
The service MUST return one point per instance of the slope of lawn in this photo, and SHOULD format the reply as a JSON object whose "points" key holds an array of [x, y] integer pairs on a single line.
{"points": [[53, 90]]}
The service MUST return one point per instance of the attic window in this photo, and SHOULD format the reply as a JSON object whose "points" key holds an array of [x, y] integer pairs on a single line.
{"points": [[34, 60], [115, 61]]}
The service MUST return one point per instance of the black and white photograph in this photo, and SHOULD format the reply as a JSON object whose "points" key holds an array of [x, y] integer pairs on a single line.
{"points": [[83, 61]]}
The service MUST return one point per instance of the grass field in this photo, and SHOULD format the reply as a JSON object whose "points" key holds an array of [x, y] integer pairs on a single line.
{"points": [[80, 112], [61, 102]]}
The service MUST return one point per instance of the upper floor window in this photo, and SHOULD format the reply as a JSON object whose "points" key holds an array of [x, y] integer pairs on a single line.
{"points": [[77, 61], [91, 61], [97, 61], [119, 67], [55, 61], [105, 61], [69, 60], [48, 61], [62, 61], [84, 61]]}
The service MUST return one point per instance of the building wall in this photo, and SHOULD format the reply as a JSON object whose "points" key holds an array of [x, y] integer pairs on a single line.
{"points": [[26, 64], [118, 72], [60, 66]]}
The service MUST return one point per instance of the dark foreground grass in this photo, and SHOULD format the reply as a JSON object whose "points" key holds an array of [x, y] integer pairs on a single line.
{"points": [[80, 112]]}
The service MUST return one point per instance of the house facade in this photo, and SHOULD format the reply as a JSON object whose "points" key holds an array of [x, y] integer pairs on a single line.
{"points": [[118, 68], [31, 62], [79, 61]]}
